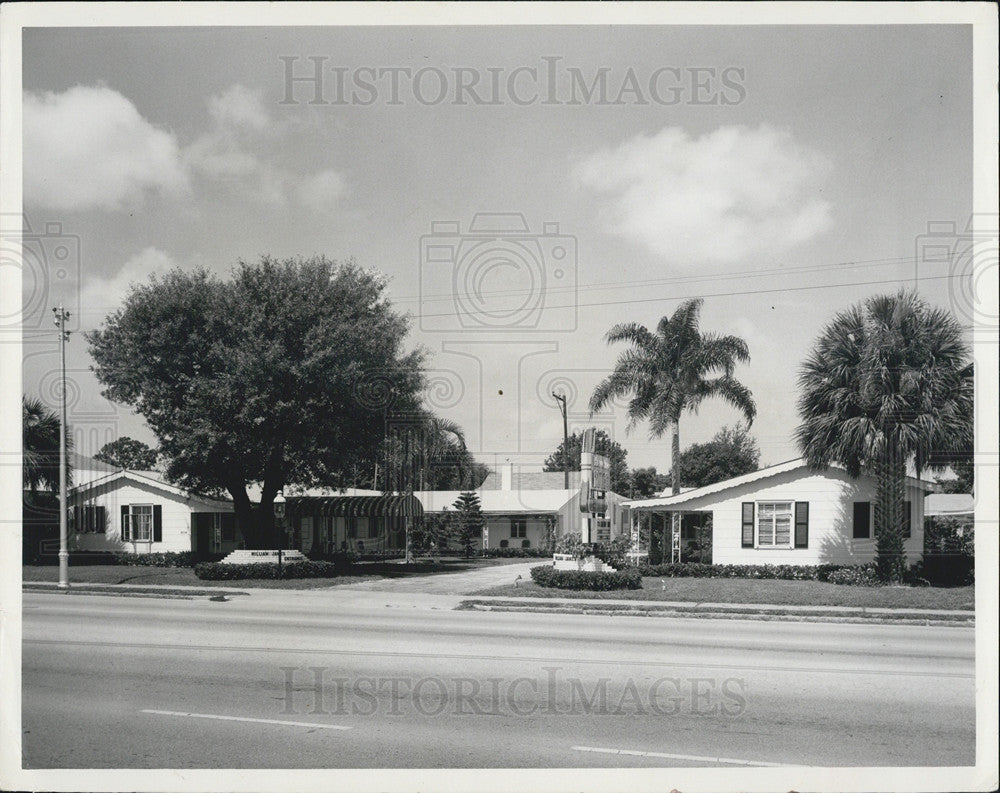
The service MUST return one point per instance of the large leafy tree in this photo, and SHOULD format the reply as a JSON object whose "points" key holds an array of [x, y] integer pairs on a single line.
{"points": [[279, 376], [646, 482], [602, 445], [129, 454], [40, 447], [733, 451], [888, 384], [672, 370]]}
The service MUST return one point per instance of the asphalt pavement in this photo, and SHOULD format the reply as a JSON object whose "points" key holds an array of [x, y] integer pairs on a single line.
{"points": [[355, 678]]}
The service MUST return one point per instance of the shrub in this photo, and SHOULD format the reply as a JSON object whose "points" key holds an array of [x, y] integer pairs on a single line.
{"points": [[508, 553], [548, 576], [786, 572], [571, 544], [612, 553], [164, 559], [856, 575], [217, 571]]}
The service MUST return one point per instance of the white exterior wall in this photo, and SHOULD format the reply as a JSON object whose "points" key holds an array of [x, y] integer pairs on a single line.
{"points": [[177, 512], [831, 496]]}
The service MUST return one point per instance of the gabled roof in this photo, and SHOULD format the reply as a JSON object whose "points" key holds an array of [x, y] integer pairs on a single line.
{"points": [[147, 478], [746, 479], [505, 502]]}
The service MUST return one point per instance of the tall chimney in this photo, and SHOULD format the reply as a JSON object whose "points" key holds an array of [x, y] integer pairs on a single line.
{"points": [[507, 476]]}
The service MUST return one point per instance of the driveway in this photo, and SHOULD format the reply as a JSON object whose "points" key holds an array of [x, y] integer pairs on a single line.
{"points": [[449, 583]]}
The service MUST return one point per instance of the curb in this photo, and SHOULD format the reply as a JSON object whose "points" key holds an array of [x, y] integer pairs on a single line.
{"points": [[881, 617], [137, 591]]}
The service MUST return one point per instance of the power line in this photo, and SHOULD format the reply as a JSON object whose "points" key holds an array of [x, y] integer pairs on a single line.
{"points": [[734, 293], [752, 273]]}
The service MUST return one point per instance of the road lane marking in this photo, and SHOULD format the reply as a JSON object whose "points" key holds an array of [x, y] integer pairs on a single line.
{"points": [[692, 757], [248, 719], [520, 659]]}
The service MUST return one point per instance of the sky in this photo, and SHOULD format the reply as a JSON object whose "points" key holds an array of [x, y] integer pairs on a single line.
{"points": [[781, 173]]}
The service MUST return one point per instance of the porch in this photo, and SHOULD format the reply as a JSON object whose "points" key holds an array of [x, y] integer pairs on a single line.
{"points": [[654, 540]]}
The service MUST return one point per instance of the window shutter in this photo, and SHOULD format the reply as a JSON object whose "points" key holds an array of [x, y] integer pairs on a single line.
{"points": [[862, 519], [228, 527], [74, 517], [907, 506], [801, 524], [102, 520], [126, 535], [747, 524], [157, 523]]}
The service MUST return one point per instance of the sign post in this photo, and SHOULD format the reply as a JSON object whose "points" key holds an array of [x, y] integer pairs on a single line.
{"points": [[595, 481]]}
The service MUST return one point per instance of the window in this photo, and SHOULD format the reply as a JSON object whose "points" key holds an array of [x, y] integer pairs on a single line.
{"points": [[862, 520], [140, 522], [774, 524], [518, 527], [89, 519]]}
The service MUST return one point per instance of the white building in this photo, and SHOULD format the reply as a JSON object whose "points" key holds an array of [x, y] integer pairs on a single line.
{"points": [[790, 514]]}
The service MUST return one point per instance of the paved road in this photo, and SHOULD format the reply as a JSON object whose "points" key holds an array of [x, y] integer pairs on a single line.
{"points": [[365, 679], [450, 583]]}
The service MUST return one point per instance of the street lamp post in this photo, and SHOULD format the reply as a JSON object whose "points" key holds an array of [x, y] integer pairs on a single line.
{"points": [[61, 315], [561, 399]]}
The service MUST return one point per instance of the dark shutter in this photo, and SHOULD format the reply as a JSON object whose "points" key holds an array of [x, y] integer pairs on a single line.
{"points": [[747, 524], [102, 520], [228, 527], [801, 524], [862, 520], [907, 519], [157, 523], [74, 516], [126, 536]]}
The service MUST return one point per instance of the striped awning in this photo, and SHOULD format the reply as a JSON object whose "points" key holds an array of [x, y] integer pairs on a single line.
{"points": [[356, 506]]}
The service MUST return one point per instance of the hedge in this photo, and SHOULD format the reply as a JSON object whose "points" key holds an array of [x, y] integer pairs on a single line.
{"points": [[786, 572], [217, 571], [548, 576], [165, 559], [508, 553]]}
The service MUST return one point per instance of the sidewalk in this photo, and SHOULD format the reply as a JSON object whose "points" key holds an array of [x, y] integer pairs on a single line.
{"points": [[357, 596]]}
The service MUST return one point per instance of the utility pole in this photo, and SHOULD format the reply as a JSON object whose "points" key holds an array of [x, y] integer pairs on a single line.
{"points": [[561, 399], [61, 316]]}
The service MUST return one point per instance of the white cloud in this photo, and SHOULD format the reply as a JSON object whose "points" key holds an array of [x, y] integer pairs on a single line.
{"points": [[321, 191], [89, 148], [717, 199], [239, 106], [228, 154], [104, 295]]}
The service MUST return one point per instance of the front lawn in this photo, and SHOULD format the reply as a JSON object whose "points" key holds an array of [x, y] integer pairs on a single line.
{"points": [[184, 576], [767, 591]]}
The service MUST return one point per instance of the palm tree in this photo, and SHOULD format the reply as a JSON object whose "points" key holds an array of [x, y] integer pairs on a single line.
{"points": [[888, 384], [40, 444], [673, 371]]}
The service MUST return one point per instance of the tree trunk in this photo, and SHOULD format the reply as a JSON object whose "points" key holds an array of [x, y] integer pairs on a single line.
{"points": [[890, 477], [244, 516]]}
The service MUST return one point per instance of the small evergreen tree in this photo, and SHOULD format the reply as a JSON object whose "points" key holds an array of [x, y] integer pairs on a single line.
{"points": [[470, 521]]}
